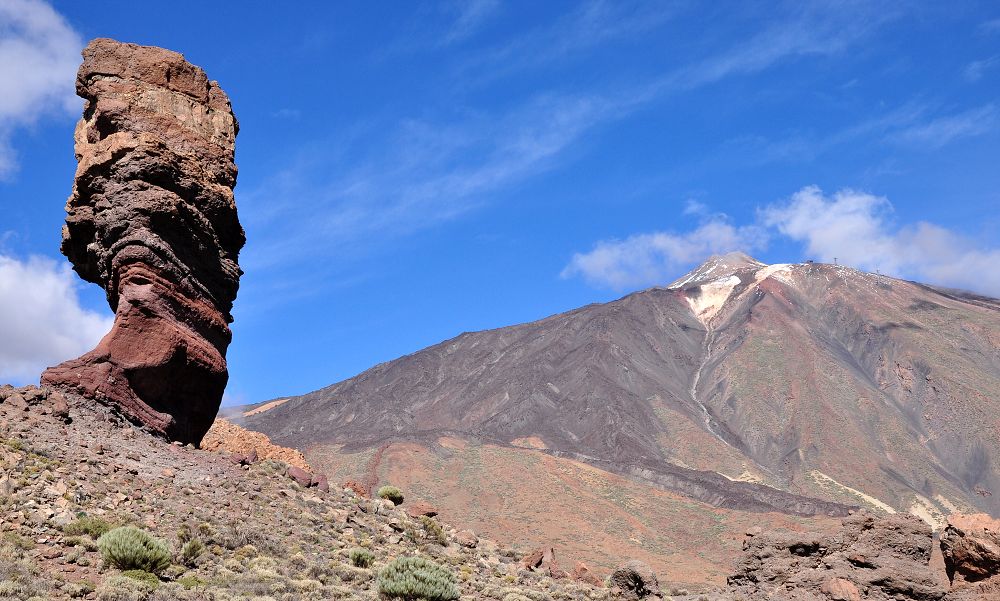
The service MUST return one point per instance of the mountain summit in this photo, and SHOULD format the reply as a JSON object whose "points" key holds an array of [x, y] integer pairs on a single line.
{"points": [[794, 388]]}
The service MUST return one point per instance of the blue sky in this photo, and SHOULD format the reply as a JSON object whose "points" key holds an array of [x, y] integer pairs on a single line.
{"points": [[410, 171]]}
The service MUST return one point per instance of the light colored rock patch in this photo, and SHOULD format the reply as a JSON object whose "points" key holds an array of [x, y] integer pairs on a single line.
{"points": [[712, 297], [944, 502], [829, 483], [746, 476], [529, 442], [924, 509], [265, 407], [778, 271]]}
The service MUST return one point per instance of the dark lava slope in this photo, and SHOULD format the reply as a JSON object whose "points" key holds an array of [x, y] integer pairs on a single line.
{"points": [[817, 380]]}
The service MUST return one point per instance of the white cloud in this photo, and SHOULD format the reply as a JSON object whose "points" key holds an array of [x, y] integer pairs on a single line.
{"points": [[855, 227], [656, 258], [39, 56], [852, 227], [41, 320]]}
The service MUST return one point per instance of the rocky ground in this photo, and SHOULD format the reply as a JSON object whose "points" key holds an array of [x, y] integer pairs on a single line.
{"points": [[265, 535], [71, 467], [270, 531]]}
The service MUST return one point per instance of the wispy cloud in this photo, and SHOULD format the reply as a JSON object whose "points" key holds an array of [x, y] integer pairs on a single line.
{"points": [[433, 173], [472, 14], [41, 320], [816, 29], [990, 27], [974, 71], [438, 169], [592, 24], [855, 228], [943, 130], [39, 55]]}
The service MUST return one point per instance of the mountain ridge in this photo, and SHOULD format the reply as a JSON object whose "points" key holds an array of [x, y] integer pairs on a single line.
{"points": [[740, 385]]}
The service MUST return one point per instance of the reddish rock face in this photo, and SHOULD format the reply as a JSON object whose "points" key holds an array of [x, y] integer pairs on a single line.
{"points": [[153, 220], [971, 548]]}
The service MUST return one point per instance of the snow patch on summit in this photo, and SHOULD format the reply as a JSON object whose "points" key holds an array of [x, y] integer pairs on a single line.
{"points": [[711, 297]]}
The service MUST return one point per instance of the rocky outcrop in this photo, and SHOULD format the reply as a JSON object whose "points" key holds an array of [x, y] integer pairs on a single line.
{"points": [[543, 560], [152, 219], [228, 437], [877, 558], [971, 548], [634, 580]]}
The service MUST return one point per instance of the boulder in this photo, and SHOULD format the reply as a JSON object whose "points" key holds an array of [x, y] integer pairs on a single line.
{"points": [[152, 219], [875, 558], [971, 547], [544, 560], [467, 538], [60, 408], [321, 483], [634, 580], [302, 477]]}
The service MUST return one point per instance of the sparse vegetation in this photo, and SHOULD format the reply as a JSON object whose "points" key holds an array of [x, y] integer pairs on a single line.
{"points": [[392, 493], [93, 527], [412, 578], [434, 530], [143, 576], [362, 558], [128, 548], [123, 588]]}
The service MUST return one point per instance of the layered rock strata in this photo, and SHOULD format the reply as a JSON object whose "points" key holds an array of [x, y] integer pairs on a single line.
{"points": [[152, 219]]}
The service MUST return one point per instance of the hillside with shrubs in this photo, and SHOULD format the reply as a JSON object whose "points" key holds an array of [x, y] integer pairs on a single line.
{"points": [[97, 508]]}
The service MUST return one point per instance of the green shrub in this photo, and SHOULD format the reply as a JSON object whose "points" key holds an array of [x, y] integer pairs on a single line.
{"points": [[128, 548], [142, 576], [191, 550], [362, 558], [434, 530], [412, 578], [392, 493], [85, 524]]}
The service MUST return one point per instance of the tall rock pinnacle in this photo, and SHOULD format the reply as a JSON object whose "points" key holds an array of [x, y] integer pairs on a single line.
{"points": [[152, 219]]}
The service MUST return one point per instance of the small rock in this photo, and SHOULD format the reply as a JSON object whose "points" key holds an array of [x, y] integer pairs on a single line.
{"points": [[582, 573], [840, 589], [467, 538]]}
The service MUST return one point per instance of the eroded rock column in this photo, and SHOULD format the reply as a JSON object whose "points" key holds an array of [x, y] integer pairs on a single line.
{"points": [[152, 219]]}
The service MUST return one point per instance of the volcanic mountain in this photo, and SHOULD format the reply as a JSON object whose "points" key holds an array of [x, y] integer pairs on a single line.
{"points": [[786, 390]]}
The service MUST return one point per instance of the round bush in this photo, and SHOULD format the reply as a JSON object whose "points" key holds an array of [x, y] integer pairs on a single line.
{"points": [[413, 578], [362, 558], [392, 493], [128, 548]]}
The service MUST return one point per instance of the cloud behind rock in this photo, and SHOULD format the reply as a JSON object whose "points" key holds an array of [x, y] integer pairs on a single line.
{"points": [[41, 319]]}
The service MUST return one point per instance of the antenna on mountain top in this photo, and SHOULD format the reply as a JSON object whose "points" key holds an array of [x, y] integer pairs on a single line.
{"points": [[835, 260]]}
